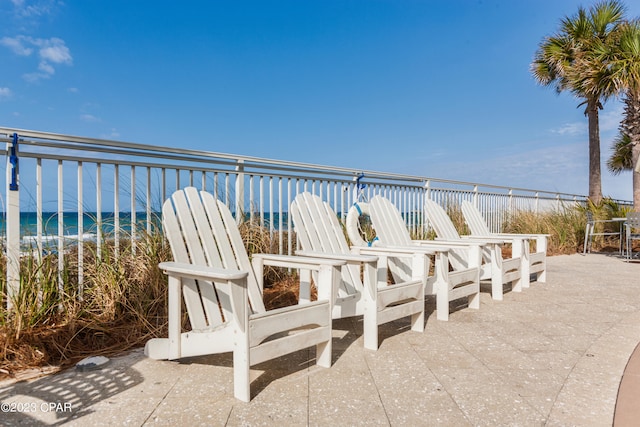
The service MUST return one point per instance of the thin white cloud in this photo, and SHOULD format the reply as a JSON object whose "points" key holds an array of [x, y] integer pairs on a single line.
{"points": [[30, 9], [571, 129], [46, 68], [34, 77], [54, 50], [17, 45], [608, 120], [89, 118], [5, 92], [114, 134], [51, 52]]}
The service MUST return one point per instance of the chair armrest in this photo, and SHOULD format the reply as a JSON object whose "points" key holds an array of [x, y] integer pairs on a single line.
{"points": [[303, 262], [490, 239], [398, 250], [499, 239], [525, 235], [336, 256], [451, 244], [201, 272]]}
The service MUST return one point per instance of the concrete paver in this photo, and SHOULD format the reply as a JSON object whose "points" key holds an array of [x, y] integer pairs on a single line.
{"points": [[551, 355]]}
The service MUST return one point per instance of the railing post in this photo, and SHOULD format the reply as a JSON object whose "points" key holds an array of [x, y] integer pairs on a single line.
{"points": [[423, 212], [13, 222], [475, 196], [240, 191], [510, 201]]}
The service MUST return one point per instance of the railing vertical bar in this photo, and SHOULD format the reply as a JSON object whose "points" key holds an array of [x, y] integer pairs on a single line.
{"points": [[99, 227], [226, 189], [280, 223], [239, 190], [164, 185], [116, 210], [148, 207], [289, 225], [251, 199], [261, 196], [215, 185], [414, 217], [133, 219], [341, 191], [60, 236], [80, 235], [271, 227], [297, 191], [39, 210], [39, 247]]}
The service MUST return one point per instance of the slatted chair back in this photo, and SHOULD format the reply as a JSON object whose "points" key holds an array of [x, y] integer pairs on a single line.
{"points": [[444, 228], [201, 230], [391, 230], [388, 223], [319, 230], [474, 219]]}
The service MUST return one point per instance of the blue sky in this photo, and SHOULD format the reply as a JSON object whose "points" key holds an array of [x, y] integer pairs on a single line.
{"points": [[433, 88]]}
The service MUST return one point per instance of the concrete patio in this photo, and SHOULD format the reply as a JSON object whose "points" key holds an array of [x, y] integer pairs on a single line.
{"points": [[552, 355]]}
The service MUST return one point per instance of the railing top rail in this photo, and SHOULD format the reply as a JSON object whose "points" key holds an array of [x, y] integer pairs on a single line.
{"points": [[120, 147]]}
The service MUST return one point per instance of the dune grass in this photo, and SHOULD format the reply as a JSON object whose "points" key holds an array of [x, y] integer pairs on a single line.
{"points": [[122, 303]]}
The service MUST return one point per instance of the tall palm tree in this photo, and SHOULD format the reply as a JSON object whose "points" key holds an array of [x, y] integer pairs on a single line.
{"points": [[620, 72], [564, 59]]}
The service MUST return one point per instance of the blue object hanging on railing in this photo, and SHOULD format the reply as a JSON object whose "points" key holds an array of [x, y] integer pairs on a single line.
{"points": [[358, 184], [13, 160]]}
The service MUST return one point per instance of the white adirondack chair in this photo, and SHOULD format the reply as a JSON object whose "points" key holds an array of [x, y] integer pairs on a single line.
{"points": [[391, 232], [537, 260], [321, 235], [494, 267], [222, 291]]}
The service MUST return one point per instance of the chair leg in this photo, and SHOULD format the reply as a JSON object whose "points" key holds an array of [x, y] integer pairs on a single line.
{"points": [[542, 276], [587, 239], [474, 300], [241, 378], [323, 354], [417, 321], [370, 326], [442, 302]]}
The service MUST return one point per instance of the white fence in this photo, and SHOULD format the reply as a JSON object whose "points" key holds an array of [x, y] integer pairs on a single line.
{"points": [[63, 189]]}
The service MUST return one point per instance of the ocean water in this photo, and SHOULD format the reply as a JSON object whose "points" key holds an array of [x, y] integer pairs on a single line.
{"points": [[90, 227]]}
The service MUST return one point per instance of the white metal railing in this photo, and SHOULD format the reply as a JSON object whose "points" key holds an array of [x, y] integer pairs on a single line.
{"points": [[96, 189]]}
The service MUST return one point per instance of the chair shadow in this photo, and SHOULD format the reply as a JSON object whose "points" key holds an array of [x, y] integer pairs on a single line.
{"points": [[63, 396]]}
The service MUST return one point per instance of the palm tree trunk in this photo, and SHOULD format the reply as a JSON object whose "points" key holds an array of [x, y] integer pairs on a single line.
{"points": [[595, 175]]}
